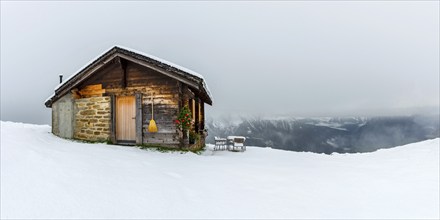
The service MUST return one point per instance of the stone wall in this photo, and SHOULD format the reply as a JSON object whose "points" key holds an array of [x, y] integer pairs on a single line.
{"points": [[92, 119]]}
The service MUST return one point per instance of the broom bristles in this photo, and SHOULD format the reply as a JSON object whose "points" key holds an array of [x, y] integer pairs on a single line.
{"points": [[152, 126]]}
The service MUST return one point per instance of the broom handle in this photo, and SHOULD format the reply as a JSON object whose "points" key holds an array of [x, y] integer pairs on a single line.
{"points": [[152, 108]]}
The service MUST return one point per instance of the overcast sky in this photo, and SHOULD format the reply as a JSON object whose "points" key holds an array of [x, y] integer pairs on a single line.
{"points": [[258, 58]]}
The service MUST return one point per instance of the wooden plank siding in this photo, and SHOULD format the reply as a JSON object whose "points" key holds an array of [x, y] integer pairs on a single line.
{"points": [[139, 118], [196, 114], [143, 83], [169, 96], [113, 118], [202, 116], [110, 76]]}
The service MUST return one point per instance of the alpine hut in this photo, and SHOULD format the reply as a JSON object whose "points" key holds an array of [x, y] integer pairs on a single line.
{"points": [[117, 96]]}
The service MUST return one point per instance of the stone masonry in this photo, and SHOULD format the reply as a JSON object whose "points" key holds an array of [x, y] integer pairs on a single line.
{"points": [[92, 118]]}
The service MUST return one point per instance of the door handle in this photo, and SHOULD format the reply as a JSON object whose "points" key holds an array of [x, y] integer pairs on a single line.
{"points": [[133, 118]]}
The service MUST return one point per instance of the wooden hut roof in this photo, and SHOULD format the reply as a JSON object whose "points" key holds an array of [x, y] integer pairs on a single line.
{"points": [[184, 75]]}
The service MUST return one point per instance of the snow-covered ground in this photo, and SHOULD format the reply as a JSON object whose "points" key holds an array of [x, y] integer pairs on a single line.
{"points": [[43, 176]]}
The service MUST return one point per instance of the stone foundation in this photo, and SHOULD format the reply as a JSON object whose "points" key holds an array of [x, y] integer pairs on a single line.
{"points": [[92, 119]]}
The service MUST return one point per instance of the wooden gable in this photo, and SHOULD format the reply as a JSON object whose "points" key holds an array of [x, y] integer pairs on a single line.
{"points": [[119, 68]]}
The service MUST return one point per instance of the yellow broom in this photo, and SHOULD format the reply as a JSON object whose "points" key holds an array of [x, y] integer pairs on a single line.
{"points": [[152, 126]]}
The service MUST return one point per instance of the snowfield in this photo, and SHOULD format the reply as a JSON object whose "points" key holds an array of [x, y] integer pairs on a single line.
{"points": [[43, 176]]}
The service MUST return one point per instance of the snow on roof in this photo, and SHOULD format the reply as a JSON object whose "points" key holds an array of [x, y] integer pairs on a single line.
{"points": [[191, 72], [205, 86], [162, 61], [48, 98]]}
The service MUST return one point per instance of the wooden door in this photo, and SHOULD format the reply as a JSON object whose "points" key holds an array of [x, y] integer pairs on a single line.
{"points": [[125, 119]]}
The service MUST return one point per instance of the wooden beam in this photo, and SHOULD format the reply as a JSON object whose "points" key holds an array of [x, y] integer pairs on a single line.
{"points": [[196, 113], [92, 92], [143, 63], [75, 94], [123, 66], [113, 118], [202, 109], [180, 93], [93, 87], [185, 96], [139, 120]]}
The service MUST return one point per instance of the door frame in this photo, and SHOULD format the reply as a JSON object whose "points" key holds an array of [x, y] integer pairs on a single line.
{"points": [[138, 121], [124, 117]]}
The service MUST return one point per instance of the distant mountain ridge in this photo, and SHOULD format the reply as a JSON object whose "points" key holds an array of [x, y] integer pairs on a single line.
{"points": [[329, 134]]}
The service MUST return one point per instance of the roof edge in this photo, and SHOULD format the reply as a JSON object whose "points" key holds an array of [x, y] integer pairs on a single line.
{"points": [[169, 67]]}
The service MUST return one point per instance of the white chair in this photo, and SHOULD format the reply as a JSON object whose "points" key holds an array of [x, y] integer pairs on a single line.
{"points": [[220, 143]]}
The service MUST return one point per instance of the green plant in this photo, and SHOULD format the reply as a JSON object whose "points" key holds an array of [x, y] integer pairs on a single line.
{"points": [[184, 119], [109, 141], [167, 149], [199, 150], [156, 147], [161, 148], [193, 137]]}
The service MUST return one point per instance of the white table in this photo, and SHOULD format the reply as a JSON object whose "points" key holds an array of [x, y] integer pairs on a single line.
{"points": [[236, 143]]}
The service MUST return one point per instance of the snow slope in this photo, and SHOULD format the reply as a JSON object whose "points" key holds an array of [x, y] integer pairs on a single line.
{"points": [[43, 176]]}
